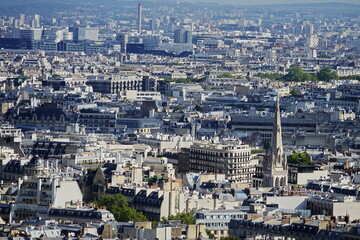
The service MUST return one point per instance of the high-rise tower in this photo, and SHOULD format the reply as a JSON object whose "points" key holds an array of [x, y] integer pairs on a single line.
{"points": [[139, 18], [36, 21], [22, 19], [182, 36], [275, 169], [122, 38]]}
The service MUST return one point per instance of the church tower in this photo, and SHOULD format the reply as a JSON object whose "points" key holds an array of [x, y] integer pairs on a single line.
{"points": [[275, 169]]}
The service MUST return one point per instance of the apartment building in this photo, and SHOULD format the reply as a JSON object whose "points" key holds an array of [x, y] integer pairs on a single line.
{"points": [[230, 157]]}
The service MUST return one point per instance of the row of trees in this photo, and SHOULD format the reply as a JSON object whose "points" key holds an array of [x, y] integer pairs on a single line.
{"points": [[297, 74]]}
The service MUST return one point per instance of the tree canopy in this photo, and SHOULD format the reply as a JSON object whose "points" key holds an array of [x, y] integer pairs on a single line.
{"points": [[230, 238], [155, 179], [300, 159], [210, 234], [226, 75], [186, 218], [271, 76], [326, 74], [118, 206], [297, 74], [352, 77], [294, 92]]}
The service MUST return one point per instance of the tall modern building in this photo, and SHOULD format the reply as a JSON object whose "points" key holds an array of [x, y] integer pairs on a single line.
{"points": [[139, 18], [122, 38], [33, 34], [84, 33], [182, 36], [36, 21], [275, 169], [308, 29], [154, 24], [22, 19]]}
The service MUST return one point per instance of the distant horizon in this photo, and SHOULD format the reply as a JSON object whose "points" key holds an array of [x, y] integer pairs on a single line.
{"points": [[220, 2], [235, 2], [275, 2]]}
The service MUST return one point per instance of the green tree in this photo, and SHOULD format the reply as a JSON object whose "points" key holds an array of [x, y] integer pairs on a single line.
{"points": [[296, 74], [294, 92], [271, 76], [118, 206], [326, 74], [55, 75], [150, 154], [155, 179], [256, 151], [352, 77], [266, 145], [210, 234], [154, 224], [300, 159], [129, 164], [226, 75], [152, 180], [186, 218], [230, 238]]}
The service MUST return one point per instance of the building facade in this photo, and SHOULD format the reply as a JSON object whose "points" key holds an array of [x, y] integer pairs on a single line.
{"points": [[231, 158]]}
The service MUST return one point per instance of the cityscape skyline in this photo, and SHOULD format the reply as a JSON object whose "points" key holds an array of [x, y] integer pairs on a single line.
{"points": [[174, 119]]}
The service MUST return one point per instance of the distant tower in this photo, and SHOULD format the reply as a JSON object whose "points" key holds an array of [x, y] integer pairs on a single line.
{"points": [[22, 19], [275, 169], [36, 21], [182, 36], [122, 38], [139, 18]]}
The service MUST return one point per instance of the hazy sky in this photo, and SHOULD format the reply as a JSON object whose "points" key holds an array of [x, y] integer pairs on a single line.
{"points": [[252, 2]]}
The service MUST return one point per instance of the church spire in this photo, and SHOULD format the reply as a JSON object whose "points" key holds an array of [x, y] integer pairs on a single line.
{"points": [[275, 166], [276, 140]]}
